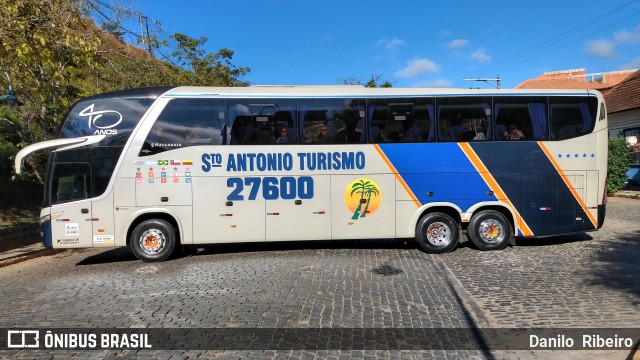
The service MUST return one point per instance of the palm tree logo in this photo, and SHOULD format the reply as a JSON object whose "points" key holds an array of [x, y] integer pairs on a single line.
{"points": [[362, 192]]}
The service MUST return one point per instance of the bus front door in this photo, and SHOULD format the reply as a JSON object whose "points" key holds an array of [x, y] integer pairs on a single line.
{"points": [[72, 220]]}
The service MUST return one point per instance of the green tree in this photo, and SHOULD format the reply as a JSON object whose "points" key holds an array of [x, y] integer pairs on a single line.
{"points": [[359, 188], [55, 55], [619, 162], [43, 44], [8, 139], [373, 82], [369, 189], [206, 69]]}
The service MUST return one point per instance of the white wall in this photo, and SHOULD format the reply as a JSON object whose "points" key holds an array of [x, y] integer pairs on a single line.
{"points": [[623, 120]]}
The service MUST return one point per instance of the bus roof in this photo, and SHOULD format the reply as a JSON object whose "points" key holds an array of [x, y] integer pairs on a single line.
{"points": [[291, 91]]}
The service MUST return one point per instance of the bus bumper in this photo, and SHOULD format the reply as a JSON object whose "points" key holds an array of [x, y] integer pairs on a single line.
{"points": [[602, 209], [45, 232]]}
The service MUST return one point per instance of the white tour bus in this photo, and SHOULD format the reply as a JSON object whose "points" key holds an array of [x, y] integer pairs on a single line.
{"points": [[158, 168]]}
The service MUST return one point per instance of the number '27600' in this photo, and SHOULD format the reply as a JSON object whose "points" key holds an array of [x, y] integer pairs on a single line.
{"points": [[273, 188]]}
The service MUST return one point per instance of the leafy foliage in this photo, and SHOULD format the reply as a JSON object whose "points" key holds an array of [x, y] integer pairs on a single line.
{"points": [[373, 82], [44, 42], [619, 162], [207, 69], [55, 55]]}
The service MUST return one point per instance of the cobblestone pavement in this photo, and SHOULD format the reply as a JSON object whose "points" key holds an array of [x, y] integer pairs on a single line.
{"points": [[584, 280]]}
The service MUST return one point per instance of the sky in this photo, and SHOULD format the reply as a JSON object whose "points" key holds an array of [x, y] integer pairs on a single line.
{"points": [[416, 43]]}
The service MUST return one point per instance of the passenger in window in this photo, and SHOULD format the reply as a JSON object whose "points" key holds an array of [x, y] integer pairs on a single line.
{"points": [[193, 136], [513, 133], [479, 130], [283, 138], [324, 137], [348, 134], [467, 131], [198, 135], [324, 131]]}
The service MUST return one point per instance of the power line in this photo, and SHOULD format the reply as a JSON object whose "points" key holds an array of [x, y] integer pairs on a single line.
{"points": [[563, 36], [578, 39], [550, 45]]}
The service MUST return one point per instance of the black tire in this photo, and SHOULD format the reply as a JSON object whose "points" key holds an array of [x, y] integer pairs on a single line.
{"points": [[489, 230], [437, 233], [153, 240]]}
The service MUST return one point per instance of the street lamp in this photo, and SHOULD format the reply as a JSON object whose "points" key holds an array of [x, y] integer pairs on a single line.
{"points": [[10, 99]]}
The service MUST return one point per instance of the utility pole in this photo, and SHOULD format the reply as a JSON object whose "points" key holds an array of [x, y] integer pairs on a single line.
{"points": [[488, 81], [146, 24], [145, 39], [141, 28]]}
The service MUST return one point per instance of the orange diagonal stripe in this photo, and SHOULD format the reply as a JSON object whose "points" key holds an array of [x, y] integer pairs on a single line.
{"points": [[546, 151], [493, 185], [395, 172]]}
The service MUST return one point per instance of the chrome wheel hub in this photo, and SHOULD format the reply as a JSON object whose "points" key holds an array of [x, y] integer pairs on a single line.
{"points": [[438, 234]]}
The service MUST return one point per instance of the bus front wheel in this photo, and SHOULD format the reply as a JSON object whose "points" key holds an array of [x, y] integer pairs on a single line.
{"points": [[153, 240], [489, 230], [437, 233]]}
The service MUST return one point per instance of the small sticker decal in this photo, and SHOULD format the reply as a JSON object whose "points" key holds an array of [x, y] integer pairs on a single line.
{"points": [[166, 169], [74, 241], [103, 239], [71, 229]]}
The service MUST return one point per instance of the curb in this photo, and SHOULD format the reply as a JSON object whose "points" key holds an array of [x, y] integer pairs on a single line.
{"points": [[628, 194], [29, 253], [20, 243]]}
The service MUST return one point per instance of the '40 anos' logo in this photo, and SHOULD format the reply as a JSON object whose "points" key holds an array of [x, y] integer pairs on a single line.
{"points": [[104, 125], [362, 197]]}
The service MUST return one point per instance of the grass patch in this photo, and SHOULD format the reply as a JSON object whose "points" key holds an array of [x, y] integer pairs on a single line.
{"points": [[16, 217]]}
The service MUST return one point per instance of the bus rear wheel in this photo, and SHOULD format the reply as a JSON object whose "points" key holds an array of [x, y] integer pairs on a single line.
{"points": [[437, 233], [153, 240], [489, 230]]}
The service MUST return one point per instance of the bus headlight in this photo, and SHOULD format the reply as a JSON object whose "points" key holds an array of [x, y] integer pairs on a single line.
{"points": [[44, 219]]}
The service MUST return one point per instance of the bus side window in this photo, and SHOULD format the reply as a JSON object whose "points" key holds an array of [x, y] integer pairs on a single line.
{"points": [[463, 119], [399, 120], [332, 121], [186, 122], [571, 117], [528, 114]]}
